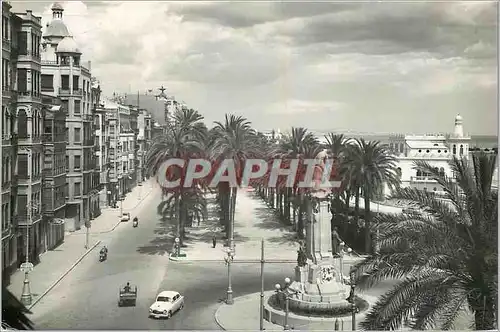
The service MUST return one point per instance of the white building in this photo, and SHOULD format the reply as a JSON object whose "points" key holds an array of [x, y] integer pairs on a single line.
{"points": [[66, 76], [436, 149]]}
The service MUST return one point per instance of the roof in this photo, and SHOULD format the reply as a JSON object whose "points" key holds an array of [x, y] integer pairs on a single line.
{"points": [[68, 45], [57, 6], [56, 28], [425, 145], [168, 293]]}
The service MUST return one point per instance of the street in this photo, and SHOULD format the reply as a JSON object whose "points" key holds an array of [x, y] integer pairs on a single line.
{"points": [[87, 297]]}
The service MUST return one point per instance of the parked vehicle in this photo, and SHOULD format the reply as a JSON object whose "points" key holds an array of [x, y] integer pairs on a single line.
{"points": [[125, 216], [167, 303]]}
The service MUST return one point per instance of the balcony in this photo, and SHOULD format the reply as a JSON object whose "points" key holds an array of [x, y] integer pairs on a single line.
{"points": [[5, 45], [23, 220], [29, 56], [67, 92], [50, 63], [422, 179], [28, 96], [29, 139], [6, 231]]}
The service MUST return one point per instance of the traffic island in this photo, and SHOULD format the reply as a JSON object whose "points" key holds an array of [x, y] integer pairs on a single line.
{"points": [[173, 256], [244, 314]]}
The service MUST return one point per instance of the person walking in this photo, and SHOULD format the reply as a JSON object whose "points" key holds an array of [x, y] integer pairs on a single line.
{"points": [[214, 241]]}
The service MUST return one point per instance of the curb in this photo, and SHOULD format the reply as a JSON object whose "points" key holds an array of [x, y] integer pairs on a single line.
{"points": [[63, 275], [216, 317], [119, 221]]}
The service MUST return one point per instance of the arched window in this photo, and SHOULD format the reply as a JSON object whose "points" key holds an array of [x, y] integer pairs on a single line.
{"points": [[454, 149], [22, 124], [40, 123], [461, 149]]}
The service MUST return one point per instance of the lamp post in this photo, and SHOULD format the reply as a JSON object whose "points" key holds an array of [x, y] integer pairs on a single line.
{"points": [[229, 259], [341, 254], [352, 299], [177, 247], [284, 291]]}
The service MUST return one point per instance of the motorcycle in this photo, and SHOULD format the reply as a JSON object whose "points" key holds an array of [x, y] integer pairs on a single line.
{"points": [[135, 223], [103, 256]]}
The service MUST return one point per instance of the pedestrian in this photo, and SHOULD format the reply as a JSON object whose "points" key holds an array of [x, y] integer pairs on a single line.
{"points": [[214, 241]]}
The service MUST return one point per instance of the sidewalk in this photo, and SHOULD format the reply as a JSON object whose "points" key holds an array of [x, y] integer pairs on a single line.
{"points": [[254, 221], [55, 264]]}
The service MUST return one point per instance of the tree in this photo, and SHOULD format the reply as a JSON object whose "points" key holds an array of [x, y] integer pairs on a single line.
{"points": [[445, 254], [185, 139], [235, 140], [371, 166]]}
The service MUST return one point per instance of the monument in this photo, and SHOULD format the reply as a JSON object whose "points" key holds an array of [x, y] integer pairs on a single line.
{"points": [[319, 280], [319, 287]]}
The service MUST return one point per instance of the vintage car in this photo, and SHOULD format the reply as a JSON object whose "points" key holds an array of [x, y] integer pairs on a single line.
{"points": [[125, 216], [167, 302]]}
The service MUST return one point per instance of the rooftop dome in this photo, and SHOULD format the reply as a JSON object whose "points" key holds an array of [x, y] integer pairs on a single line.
{"points": [[67, 45], [57, 6], [56, 28]]}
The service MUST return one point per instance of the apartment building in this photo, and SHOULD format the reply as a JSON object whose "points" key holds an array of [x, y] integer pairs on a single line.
{"points": [[22, 128], [143, 143], [65, 75], [54, 172]]}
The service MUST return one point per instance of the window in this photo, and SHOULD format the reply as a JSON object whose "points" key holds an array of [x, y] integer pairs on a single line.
{"points": [[5, 74], [22, 80], [65, 82], [67, 163], [77, 189], [66, 190], [461, 150], [76, 82], [77, 162], [22, 126], [454, 149], [5, 28], [78, 107], [78, 133], [22, 39], [47, 82], [22, 166], [65, 105], [76, 61]]}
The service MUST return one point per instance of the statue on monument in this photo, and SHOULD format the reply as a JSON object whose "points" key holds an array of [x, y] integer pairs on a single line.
{"points": [[336, 240], [301, 256]]}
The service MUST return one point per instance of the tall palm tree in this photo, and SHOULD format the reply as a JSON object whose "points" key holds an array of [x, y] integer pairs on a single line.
{"points": [[445, 255], [300, 144], [184, 138], [371, 166], [235, 140]]}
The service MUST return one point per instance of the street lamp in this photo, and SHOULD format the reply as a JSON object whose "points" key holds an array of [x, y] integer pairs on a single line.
{"points": [[177, 247], [27, 266], [229, 259], [352, 299], [284, 292]]}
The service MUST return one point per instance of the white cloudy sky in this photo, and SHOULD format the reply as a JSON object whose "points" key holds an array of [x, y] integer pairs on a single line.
{"points": [[368, 67]]}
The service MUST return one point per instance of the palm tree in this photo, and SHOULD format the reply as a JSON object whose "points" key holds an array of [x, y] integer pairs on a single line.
{"points": [[445, 255], [371, 166], [300, 144], [14, 313], [234, 140], [184, 138]]}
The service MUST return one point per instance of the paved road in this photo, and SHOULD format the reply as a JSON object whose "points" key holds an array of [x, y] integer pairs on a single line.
{"points": [[87, 297]]}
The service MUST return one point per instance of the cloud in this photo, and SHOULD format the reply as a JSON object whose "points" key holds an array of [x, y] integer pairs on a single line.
{"points": [[304, 107], [276, 62]]}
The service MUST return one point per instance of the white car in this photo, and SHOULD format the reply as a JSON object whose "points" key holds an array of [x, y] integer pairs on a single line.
{"points": [[125, 216], [166, 303]]}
